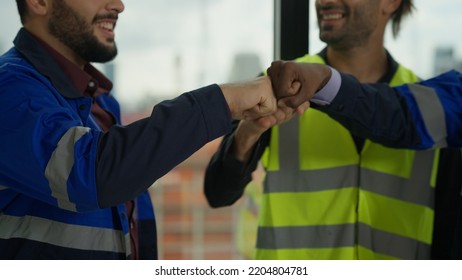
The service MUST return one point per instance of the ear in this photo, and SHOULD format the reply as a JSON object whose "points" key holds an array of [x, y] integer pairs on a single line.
{"points": [[39, 7], [390, 6]]}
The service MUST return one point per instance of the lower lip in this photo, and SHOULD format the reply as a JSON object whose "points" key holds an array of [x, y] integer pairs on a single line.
{"points": [[109, 33], [330, 21]]}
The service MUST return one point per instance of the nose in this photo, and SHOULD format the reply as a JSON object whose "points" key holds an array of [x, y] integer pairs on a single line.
{"points": [[116, 5]]}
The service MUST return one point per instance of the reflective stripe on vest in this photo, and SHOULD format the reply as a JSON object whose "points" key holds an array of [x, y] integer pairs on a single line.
{"points": [[432, 113], [331, 203], [64, 235]]}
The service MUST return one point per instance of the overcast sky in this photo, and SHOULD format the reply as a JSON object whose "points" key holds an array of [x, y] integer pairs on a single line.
{"points": [[167, 47]]}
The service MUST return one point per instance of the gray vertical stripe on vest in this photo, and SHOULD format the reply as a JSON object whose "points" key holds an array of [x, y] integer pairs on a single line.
{"points": [[432, 113], [289, 147], [61, 234], [391, 244], [60, 165], [416, 189], [299, 237], [3, 188]]}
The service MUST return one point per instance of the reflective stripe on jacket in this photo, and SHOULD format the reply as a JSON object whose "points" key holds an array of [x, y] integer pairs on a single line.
{"points": [[323, 200], [435, 106]]}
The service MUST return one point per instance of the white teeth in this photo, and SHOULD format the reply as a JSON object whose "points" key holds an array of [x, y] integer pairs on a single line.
{"points": [[332, 16], [106, 25]]}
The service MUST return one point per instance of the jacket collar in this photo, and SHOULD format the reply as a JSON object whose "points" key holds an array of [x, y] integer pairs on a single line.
{"points": [[42, 60]]}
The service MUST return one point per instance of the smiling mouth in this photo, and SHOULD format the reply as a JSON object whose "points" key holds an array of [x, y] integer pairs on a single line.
{"points": [[331, 16], [108, 26]]}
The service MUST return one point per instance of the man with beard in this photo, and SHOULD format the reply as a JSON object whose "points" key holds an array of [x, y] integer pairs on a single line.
{"points": [[329, 194], [73, 181]]}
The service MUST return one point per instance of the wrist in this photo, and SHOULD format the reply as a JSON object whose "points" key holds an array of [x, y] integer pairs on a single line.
{"points": [[329, 90], [244, 142], [227, 91]]}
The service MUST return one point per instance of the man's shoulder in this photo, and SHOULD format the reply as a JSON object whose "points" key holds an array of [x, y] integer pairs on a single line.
{"points": [[12, 62], [18, 75]]}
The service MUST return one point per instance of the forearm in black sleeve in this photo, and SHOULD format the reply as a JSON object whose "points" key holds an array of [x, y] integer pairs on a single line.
{"points": [[226, 177], [374, 111], [132, 157]]}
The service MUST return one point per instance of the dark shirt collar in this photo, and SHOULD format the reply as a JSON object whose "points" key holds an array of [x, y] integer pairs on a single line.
{"points": [[391, 70], [67, 78], [87, 80]]}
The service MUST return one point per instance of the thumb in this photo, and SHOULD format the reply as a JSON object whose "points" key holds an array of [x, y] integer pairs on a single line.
{"points": [[302, 108]]}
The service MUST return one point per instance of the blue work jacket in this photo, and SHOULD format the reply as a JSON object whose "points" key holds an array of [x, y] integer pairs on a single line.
{"points": [[63, 182]]}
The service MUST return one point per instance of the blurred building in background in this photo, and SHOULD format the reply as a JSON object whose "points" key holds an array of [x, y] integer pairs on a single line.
{"points": [[445, 60], [245, 66]]}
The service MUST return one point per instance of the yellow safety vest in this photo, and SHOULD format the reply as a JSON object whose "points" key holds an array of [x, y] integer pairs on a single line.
{"points": [[323, 200]]}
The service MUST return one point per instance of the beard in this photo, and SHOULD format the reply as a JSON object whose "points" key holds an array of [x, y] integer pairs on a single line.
{"points": [[346, 39], [361, 23], [71, 29]]}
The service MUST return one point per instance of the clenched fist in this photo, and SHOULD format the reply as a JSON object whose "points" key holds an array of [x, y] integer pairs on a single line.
{"points": [[250, 100], [296, 83]]}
